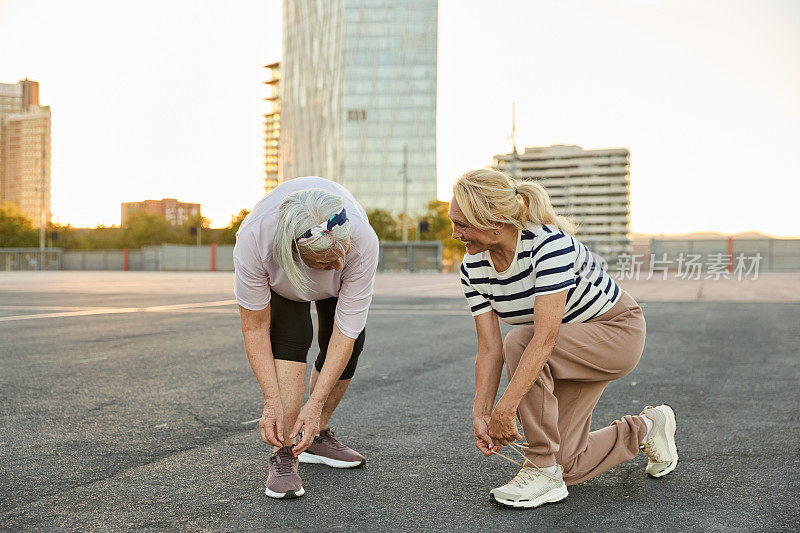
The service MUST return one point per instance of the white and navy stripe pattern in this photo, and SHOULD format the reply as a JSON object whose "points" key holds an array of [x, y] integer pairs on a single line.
{"points": [[548, 261]]}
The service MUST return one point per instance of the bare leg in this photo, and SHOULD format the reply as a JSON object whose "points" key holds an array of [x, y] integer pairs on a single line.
{"points": [[333, 398], [292, 383]]}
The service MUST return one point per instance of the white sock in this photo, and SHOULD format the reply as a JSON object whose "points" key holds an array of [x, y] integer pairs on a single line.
{"points": [[649, 424], [550, 469]]}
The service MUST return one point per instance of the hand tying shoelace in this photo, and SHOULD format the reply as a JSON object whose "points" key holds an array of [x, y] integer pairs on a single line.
{"points": [[517, 447]]}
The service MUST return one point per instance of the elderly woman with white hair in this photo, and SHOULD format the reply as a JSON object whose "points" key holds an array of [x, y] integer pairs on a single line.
{"points": [[575, 331], [307, 240]]}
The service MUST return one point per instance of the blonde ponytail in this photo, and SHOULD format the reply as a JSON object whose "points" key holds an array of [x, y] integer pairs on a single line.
{"points": [[540, 209], [488, 197]]}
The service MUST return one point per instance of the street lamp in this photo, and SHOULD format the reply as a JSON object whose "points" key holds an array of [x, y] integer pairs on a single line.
{"points": [[405, 193], [42, 217]]}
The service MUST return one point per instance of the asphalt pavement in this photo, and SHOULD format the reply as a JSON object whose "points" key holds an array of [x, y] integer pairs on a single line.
{"points": [[134, 408]]}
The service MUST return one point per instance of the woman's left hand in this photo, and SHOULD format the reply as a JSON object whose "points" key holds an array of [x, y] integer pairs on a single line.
{"points": [[503, 426], [308, 421]]}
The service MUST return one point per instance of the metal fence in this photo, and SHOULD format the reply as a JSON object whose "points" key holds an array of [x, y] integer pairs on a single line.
{"points": [[413, 256], [30, 259], [96, 259], [773, 255]]}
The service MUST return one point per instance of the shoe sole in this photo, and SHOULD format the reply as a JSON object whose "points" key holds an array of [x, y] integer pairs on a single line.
{"points": [[670, 429], [310, 458], [555, 495], [288, 495]]}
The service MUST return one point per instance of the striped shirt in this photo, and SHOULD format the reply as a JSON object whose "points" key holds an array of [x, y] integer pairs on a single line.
{"points": [[548, 261]]}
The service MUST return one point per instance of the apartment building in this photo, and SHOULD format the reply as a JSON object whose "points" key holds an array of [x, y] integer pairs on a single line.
{"points": [[174, 211], [592, 187], [25, 150]]}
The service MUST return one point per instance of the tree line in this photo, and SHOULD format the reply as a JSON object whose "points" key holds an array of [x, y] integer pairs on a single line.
{"points": [[433, 225], [144, 229], [141, 229]]}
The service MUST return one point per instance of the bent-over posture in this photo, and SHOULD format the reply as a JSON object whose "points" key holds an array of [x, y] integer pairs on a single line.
{"points": [[306, 241]]}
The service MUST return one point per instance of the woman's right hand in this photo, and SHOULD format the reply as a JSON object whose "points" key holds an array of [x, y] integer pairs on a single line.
{"points": [[271, 423], [480, 425]]}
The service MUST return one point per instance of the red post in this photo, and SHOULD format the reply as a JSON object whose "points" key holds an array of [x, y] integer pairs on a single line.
{"points": [[213, 257], [124, 259], [730, 254]]}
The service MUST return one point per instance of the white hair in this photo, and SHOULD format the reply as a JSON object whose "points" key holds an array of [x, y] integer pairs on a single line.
{"points": [[297, 213]]}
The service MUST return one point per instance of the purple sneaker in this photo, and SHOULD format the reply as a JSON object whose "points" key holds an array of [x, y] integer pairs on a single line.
{"points": [[283, 480], [326, 449]]}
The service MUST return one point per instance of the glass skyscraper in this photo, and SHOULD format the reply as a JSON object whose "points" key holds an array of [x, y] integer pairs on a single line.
{"points": [[358, 97]]}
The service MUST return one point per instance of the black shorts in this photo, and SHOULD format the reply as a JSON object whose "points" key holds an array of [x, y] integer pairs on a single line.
{"points": [[291, 331]]}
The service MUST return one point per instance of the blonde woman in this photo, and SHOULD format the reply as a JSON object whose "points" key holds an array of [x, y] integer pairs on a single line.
{"points": [[575, 331], [307, 240]]}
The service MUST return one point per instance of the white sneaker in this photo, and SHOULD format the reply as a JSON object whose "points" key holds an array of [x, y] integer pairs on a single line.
{"points": [[531, 487], [660, 449]]}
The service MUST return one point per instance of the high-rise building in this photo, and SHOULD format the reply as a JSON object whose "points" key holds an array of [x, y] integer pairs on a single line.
{"points": [[592, 187], [272, 127], [174, 211], [358, 98], [25, 150]]}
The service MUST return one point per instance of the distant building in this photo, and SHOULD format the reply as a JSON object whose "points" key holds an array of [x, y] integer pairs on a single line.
{"points": [[174, 211], [358, 90], [592, 187], [272, 128], [25, 150]]}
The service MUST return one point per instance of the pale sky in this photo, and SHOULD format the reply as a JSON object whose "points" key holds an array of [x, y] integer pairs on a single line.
{"points": [[155, 99]]}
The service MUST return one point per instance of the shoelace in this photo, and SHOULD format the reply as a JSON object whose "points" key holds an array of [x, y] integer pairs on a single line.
{"points": [[517, 447], [522, 477], [648, 446], [283, 462], [328, 438]]}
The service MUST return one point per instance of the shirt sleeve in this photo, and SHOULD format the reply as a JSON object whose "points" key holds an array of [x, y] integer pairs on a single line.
{"points": [[478, 302], [358, 284], [554, 264], [251, 279]]}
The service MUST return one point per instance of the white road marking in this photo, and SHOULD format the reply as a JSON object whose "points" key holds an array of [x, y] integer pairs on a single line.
{"points": [[49, 308], [214, 307], [117, 310], [209, 310], [101, 311], [176, 307], [92, 359]]}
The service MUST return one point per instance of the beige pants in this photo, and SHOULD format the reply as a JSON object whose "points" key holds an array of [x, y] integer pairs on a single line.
{"points": [[557, 411]]}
